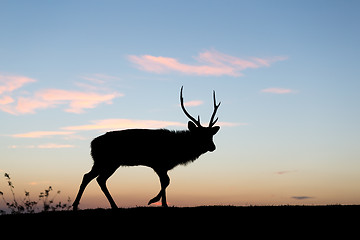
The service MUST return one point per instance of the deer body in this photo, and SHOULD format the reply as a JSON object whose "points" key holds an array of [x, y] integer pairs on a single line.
{"points": [[159, 149]]}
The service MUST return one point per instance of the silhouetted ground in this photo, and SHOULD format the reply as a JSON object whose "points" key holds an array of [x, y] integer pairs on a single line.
{"points": [[204, 220]]}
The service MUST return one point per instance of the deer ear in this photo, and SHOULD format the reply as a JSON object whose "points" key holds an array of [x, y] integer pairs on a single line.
{"points": [[215, 129], [191, 126]]}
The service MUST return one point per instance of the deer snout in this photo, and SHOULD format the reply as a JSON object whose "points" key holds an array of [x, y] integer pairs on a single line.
{"points": [[212, 148]]}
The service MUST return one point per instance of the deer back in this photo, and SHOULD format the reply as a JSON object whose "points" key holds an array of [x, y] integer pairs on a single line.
{"points": [[150, 147]]}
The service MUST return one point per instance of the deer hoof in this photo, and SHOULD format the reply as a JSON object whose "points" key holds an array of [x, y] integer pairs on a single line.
{"points": [[155, 199]]}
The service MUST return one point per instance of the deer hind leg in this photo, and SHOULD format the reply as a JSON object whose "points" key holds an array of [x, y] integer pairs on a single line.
{"points": [[101, 179], [165, 181], [86, 179]]}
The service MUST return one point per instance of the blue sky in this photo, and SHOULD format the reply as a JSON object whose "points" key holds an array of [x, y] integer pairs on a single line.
{"points": [[286, 73]]}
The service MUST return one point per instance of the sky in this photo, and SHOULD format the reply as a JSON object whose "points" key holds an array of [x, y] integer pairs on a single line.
{"points": [[286, 73]]}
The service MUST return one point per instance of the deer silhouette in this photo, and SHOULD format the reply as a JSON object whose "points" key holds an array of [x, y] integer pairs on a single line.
{"points": [[159, 149]]}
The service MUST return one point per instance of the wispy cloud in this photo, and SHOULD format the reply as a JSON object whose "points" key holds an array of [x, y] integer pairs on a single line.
{"points": [[99, 78], [54, 146], [231, 124], [301, 197], [41, 134], [285, 172], [43, 146], [119, 123], [278, 90], [70, 132], [9, 83], [75, 101], [33, 183], [193, 103], [210, 63]]}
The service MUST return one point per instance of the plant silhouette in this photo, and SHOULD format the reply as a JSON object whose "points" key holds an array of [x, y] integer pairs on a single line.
{"points": [[159, 149], [26, 205]]}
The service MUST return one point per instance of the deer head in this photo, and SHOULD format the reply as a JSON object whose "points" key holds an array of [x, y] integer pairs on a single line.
{"points": [[204, 135]]}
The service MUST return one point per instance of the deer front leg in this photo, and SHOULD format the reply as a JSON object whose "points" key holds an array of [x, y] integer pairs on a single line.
{"points": [[86, 179], [164, 181]]}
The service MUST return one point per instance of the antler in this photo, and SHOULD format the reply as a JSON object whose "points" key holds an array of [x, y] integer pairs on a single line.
{"points": [[197, 122], [212, 122]]}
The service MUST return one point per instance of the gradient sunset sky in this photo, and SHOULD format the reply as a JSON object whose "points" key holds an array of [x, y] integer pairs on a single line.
{"points": [[287, 74]]}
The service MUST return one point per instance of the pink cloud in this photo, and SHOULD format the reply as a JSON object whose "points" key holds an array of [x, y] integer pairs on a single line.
{"points": [[231, 124], [99, 78], [33, 183], [75, 101], [105, 125], [54, 146], [212, 63], [9, 83], [278, 90], [163, 65], [43, 146], [267, 61], [6, 100], [119, 123], [29, 105], [40, 134], [193, 103]]}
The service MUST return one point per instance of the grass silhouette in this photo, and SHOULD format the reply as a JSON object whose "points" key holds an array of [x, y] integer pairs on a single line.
{"points": [[27, 205]]}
